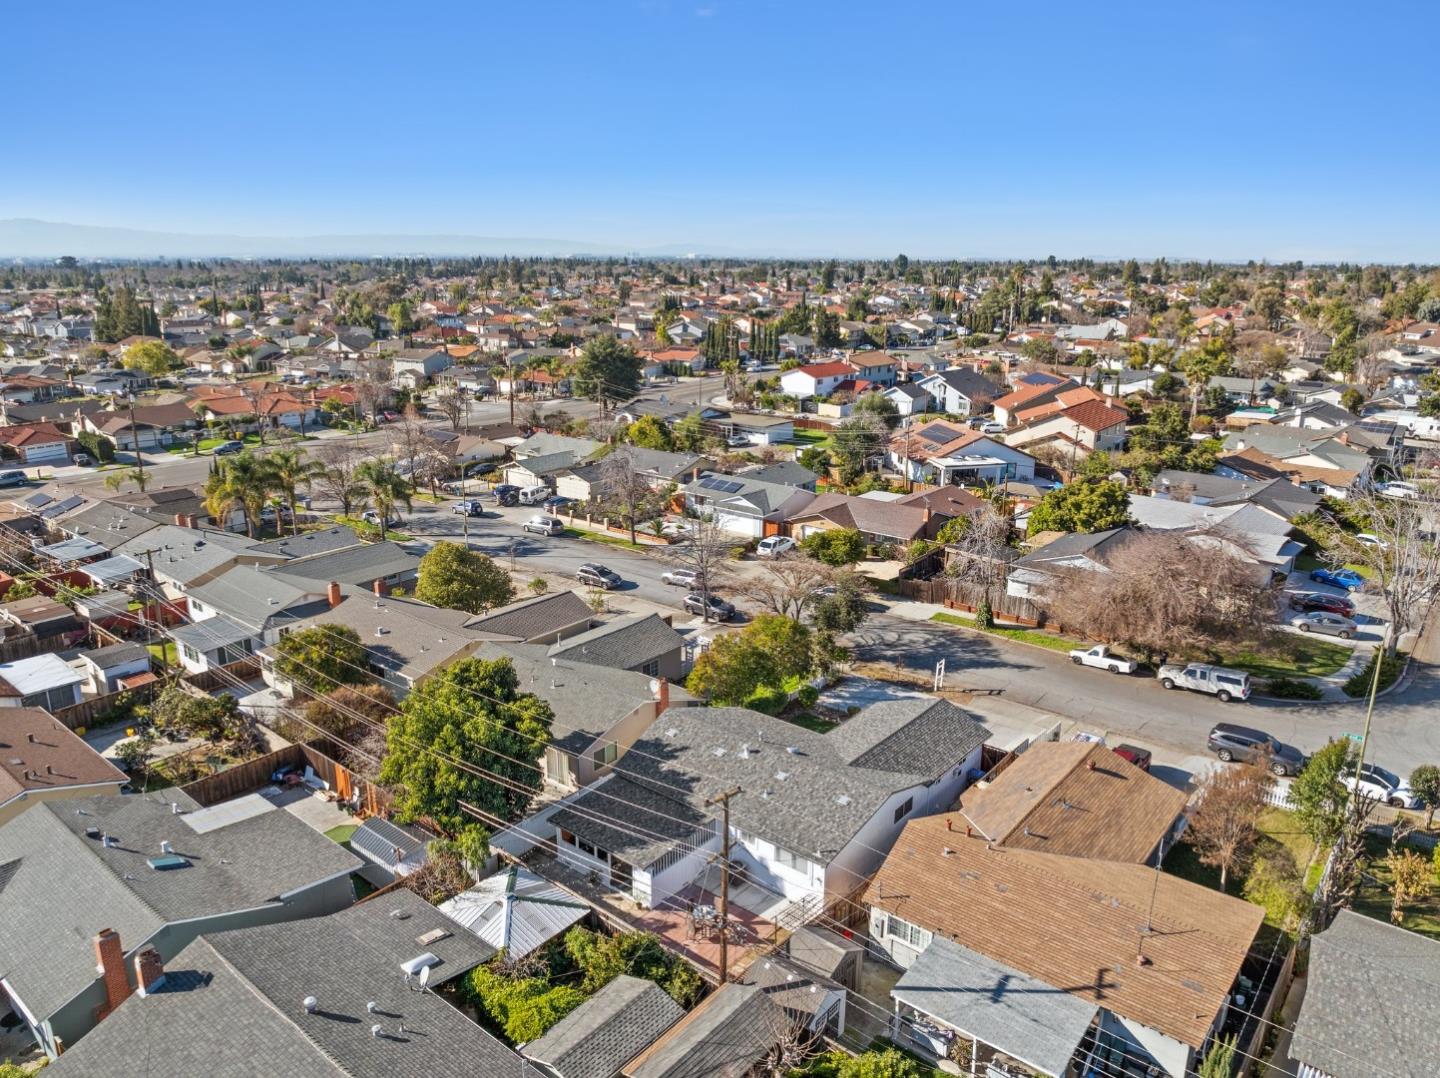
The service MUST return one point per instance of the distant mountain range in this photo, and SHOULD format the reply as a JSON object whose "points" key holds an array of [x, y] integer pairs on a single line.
{"points": [[22, 237]]}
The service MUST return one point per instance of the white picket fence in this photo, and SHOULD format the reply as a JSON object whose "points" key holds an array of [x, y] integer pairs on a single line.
{"points": [[1279, 794]]}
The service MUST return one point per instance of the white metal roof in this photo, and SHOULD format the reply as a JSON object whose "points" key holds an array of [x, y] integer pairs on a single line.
{"points": [[515, 911]]}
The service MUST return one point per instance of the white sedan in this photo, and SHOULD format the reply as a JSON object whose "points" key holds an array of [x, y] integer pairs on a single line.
{"points": [[1401, 490], [1384, 786]]}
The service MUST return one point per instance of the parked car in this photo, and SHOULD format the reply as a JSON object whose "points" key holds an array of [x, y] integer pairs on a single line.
{"points": [[1318, 600], [597, 576], [1099, 657], [1219, 681], [372, 516], [1134, 754], [1382, 785], [507, 494], [1397, 489], [13, 478], [774, 545], [543, 525], [388, 416], [557, 503], [536, 495], [82, 459], [1348, 579], [737, 441], [719, 609], [692, 579], [1230, 742], [225, 449], [992, 428], [469, 508], [1371, 540], [678, 529], [1326, 623]]}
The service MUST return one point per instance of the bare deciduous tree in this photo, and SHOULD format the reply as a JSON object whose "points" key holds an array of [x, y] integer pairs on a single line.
{"points": [[409, 439], [1167, 592], [1224, 826], [706, 551], [338, 481], [451, 402], [978, 551], [1403, 560], [627, 490], [787, 585]]}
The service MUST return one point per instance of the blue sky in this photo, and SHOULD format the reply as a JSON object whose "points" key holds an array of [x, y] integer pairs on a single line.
{"points": [[963, 128]]}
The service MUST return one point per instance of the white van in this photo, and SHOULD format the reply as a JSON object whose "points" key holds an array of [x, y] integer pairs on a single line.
{"points": [[537, 495]]}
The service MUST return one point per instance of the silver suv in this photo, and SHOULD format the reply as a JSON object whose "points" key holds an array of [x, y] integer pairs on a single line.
{"points": [[1221, 682]]}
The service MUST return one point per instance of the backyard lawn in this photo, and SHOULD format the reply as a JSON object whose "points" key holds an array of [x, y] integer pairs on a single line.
{"points": [[1373, 897], [1295, 656], [342, 833], [1308, 563], [809, 438]]}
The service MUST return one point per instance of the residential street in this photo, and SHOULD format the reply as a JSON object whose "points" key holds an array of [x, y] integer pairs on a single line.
{"points": [[1405, 731]]}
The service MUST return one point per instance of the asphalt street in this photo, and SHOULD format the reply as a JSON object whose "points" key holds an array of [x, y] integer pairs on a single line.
{"points": [[1405, 732]]}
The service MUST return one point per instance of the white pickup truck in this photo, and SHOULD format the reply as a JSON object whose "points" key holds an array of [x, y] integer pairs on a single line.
{"points": [[1099, 657]]}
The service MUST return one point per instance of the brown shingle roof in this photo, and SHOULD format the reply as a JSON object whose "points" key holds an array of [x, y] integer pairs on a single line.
{"points": [[1051, 799], [54, 759], [1075, 923]]}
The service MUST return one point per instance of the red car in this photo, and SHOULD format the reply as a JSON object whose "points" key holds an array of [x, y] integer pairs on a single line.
{"points": [[1331, 604], [1136, 755]]}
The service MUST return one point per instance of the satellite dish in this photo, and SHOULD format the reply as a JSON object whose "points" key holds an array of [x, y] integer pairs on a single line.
{"points": [[424, 976], [654, 686]]}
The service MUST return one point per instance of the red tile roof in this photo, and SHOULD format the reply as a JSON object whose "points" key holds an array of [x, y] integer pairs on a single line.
{"points": [[1093, 415]]}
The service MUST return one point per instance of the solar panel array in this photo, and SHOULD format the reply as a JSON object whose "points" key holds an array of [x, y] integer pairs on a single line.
{"points": [[726, 486]]}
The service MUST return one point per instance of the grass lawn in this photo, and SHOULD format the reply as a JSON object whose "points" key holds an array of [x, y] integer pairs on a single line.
{"points": [[603, 537], [809, 438], [1308, 563], [810, 722], [342, 833], [370, 531], [1296, 656], [1283, 843], [1373, 896], [164, 653], [1025, 636]]}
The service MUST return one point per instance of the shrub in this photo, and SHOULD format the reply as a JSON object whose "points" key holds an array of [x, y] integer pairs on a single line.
{"points": [[102, 449], [1390, 667], [984, 616], [807, 696], [768, 701], [1289, 688]]}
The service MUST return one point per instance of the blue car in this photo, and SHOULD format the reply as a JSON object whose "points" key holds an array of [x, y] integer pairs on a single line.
{"points": [[1348, 579]]}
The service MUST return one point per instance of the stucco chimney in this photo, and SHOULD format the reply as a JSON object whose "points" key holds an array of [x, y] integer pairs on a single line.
{"points": [[149, 971], [110, 965], [334, 593]]}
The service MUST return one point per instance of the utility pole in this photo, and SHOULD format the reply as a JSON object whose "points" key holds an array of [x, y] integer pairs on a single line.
{"points": [[135, 434], [510, 376], [723, 800]]}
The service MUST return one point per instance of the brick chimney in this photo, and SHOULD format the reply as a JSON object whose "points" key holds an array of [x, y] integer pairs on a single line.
{"points": [[334, 594], [662, 695], [110, 966], [381, 588], [149, 971], [181, 521]]}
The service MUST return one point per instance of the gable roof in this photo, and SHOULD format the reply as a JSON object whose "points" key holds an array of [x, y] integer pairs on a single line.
{"points": [[535, 618], [1372, 1001], [724, 1037], [245, 988], [991, 898], [890, 519], [624, 644], [608, 1030], [38, 753], [1076, 798]]}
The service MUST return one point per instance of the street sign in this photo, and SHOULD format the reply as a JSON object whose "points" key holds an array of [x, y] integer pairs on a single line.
{"points": [[1355, 738]]}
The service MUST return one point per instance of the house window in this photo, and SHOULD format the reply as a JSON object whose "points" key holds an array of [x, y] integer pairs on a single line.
{"points": [[651, 669], [790, 860], [607, 754], [903, 809], [913, 935], [51, 699], [190, 653]]}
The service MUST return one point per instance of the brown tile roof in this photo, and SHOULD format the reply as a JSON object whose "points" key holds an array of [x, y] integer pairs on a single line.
{"points": [[1051, 798], [1094, 415], [31, 434], [1075, 923], [38, 753], [1017, 397]]}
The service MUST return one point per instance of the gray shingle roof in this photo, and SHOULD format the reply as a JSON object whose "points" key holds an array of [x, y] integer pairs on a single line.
{"points": [[253, 597], [725, 1036], [356, 564], [393, 923], [635, 821], [68, 886], [245, 989], [908, 737], [1035, 1022], [212, 633], [307, 543], [534, 619], [608, 1030], [624, 644], [1372, 1001]]}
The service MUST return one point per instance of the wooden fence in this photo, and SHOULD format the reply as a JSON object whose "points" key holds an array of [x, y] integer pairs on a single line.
{"points": [[1278, 991], [253, 774], [80, 717], [958, 595]]}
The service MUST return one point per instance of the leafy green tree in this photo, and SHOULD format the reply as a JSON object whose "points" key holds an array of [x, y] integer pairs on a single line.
{"points": [[844, 610], [731, 670], [608, 371], [1086, 505], [785, 640], [888, 1063], [1317, 795], [155, 358], [1220, 1060], [1352, 400], [522, 1008], [400, 318], [322, 657], [1425, 782], [836, 546], [877, 404], [177, 711], [458, 578], [602, 958], [469, 717], [650, 432], [241, 482]]}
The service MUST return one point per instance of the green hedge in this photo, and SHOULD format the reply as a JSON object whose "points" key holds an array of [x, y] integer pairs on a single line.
{"points": [[1390, 667], [102, 449], [1289, 688]]}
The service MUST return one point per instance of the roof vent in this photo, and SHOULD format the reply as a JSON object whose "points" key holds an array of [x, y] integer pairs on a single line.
{"points": [[744, 752], [718, 751], [380, 630], [92, 832], [311, 1004], [792, 750], [671, 732], [377, 1031], [174, 808], [371, 1007], [165, 847], [782, 775], [842, 799]]}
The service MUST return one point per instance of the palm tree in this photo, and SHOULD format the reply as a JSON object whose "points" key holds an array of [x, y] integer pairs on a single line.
{"points": [[287, 471], [386, 488], [242, 483]]}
